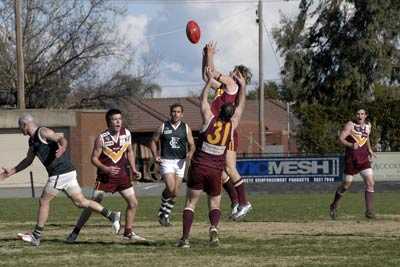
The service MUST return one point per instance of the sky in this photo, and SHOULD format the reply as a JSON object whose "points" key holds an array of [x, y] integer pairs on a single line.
{"points": [[157, 27]]}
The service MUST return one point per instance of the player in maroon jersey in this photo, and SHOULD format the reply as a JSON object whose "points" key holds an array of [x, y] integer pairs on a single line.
{"points": [[209, 158], [355, 136], [227, 92], [112, 153]]}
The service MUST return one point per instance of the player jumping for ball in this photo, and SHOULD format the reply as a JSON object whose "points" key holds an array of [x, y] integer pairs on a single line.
{"points": [[227, 91], [208, 161]]}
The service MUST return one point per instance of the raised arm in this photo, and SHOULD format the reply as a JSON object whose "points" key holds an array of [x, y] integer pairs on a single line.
{"points": [[242, 100], [7, 172], [205, 108], [346, 132], [154, 141], [208, 62]]}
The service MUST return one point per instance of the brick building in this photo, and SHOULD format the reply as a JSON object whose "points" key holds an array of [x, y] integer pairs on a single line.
{"points": [[81, 128]]}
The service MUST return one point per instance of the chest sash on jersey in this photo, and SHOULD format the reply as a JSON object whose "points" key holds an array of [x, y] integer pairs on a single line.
{"points": [[359, 134], [115, 149]]}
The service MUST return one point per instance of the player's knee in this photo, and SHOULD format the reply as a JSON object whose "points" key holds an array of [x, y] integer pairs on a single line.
{"points": [[133, 203], [190, 205], [43, 202], [214, 206], [229, 167], [82, 202], [230, 171], [174, 193], [370, 186], [98, 197], [346, 185]]}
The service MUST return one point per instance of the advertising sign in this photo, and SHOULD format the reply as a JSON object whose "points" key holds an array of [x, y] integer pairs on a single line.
{"points": [[294, 169], [386, 167]]}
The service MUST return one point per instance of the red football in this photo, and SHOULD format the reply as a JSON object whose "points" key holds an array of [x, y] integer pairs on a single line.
{"points": [[193, 31]]}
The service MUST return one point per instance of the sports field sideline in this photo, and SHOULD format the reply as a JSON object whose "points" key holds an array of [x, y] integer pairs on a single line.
{"points": [[283, 230]]}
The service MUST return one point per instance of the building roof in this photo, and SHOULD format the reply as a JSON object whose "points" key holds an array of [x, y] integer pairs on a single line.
{"points": [[147, 114]]}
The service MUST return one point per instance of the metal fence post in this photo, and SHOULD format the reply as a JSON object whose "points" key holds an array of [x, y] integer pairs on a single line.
{"points": [[32, 186]]}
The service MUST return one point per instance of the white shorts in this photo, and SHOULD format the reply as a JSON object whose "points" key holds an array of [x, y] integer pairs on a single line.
{"points": [[175, 166], [64, 182]]}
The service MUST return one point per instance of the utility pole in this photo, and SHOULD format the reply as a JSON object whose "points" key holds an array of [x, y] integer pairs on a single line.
{"points": [[260, 76], [20, 56], [288, 125]]}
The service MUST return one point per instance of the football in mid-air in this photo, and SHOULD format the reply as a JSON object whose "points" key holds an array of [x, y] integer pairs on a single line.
{"points": [[193, 31]]}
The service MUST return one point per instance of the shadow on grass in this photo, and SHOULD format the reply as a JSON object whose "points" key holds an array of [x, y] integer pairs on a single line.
{"points": [[9, 239], [89, 242], [107, 243]]}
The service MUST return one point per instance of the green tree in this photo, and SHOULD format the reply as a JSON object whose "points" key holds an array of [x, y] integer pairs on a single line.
{"points": [[64, 43], [112, 92], [349, 48], [339, 54], [271, 90]]}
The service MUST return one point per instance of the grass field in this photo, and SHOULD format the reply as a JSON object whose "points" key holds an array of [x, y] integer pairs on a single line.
{"points": [[283, 230]]}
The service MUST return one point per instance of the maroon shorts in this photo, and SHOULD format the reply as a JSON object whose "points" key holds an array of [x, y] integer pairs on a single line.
{"points": [[233, 144], [354, 164], [113, 185], [205, 178]]}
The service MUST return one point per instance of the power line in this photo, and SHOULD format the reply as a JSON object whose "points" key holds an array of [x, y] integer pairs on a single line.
{"points": [[182, 29], [206, 1], [202, 84], [271, 43]]}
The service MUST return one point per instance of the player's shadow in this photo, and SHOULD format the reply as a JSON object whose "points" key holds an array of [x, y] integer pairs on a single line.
{"points": [[107, 243], [9, 239], [89, 242]]}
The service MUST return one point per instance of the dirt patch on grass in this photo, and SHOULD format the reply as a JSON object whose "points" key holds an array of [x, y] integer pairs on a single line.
{"points": [[376, 228]]}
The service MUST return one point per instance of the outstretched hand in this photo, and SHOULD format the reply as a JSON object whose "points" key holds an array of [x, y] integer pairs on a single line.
{"points": [[238, 77], [4, 173], [209, 73], [211, 48]]}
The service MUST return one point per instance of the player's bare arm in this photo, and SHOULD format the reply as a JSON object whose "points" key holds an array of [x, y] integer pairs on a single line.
{"points": [[206, 112], [132, 161], [191, 144], [242, 100], [210, 50], [208, 62], [7, 172], [48, 134], [97, 150], [219, 77], [153, 144], [345, 133]]}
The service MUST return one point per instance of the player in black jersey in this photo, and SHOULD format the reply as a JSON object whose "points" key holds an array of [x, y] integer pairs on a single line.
{"points": [[50, 148], [174, 137]]}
